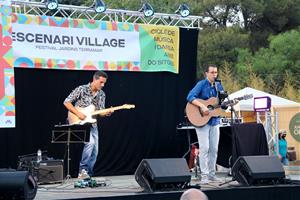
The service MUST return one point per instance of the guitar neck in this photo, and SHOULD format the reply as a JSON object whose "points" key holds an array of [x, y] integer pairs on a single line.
{"points": [[230, 102], [97, 112]]}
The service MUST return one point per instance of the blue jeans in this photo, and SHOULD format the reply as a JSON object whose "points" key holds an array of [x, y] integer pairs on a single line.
{"points": [[208, 139], [284, 161], [90, 152]]}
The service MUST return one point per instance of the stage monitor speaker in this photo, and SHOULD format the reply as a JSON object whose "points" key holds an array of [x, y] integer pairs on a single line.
{"points": [[17, 185], [258, 170], [162, 174], [50, 171]]}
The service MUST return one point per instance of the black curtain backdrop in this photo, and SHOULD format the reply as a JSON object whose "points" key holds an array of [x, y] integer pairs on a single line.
{"points": [[126, 137]]}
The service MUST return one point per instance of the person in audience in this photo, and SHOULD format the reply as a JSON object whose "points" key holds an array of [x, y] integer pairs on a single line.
{"points": [[282, 147], [193, 194]]}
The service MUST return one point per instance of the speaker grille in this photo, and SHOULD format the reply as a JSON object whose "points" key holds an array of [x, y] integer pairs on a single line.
{"points": [[166, 173], [50, 171], [256, 170], [17, 185]]}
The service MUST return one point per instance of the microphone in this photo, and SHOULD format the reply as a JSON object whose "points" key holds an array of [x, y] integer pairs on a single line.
{"points": [[213, 84], [216, 81]]}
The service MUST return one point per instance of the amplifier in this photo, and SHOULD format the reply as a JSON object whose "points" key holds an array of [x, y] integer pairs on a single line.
{"points": [[50, 171]]}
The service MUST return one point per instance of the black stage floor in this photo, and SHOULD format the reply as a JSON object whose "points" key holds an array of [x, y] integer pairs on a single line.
{"points": [[125, 187]]}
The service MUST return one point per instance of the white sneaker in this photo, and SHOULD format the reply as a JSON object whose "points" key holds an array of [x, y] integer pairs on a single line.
{"points": [[204, 180], [83, 174]]}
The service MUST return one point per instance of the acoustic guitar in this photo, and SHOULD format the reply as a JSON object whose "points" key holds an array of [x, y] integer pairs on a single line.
{"points": [[196, 116], [90, 112]]}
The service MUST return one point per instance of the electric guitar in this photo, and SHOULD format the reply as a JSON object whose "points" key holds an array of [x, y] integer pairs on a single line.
{"points": [[196, 116], [90, 112]]}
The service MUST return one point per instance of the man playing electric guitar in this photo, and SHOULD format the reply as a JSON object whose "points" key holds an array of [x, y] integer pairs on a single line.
{"points": [[85, 96], [208, 135]]}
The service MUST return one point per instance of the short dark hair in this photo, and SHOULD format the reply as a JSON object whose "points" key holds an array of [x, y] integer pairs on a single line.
{"points": [[99, 74], [210, 65]]}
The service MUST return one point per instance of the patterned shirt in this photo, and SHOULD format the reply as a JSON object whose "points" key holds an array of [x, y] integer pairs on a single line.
{"points": [[82, 96]]}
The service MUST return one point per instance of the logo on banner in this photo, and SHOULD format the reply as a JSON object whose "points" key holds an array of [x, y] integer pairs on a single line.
{"points": [[295, 127]]}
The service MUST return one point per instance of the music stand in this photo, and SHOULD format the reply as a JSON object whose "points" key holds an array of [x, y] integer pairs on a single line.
{"points": [[67, 134]]}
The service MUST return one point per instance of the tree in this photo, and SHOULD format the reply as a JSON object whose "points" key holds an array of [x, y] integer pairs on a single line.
{"points": [[289, 91], [217, 13], [230, 83], [225, 13], [255, 80], [271, 63], [251, 10], [219, 45], [72, 2], [260, 17], [161, 6], [277, 17]]}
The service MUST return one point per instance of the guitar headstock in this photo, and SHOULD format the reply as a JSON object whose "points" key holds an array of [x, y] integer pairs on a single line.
{"points": [[128, 106], [247, 96]]}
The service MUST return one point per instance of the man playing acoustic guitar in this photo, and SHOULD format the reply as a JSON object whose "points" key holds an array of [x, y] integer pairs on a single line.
{"points": [[208, 134], [84, 96]]}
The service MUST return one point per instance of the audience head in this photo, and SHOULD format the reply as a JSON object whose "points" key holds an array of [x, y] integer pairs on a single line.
{"points": [[193, 194], [282, 134]]}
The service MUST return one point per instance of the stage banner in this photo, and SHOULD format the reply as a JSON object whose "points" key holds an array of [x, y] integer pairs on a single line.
{"points": [[7, 90], [79, 44]]}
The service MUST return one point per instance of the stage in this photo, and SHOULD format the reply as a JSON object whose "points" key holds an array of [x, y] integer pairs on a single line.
{"points": [[125, 187]]}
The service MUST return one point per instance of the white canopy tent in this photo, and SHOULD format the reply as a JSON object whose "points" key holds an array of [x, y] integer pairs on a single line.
{"points": [[271, 119], [247, 105]]}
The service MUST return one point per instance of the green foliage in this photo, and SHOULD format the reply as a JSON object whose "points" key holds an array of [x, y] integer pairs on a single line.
{"points": [[282, 56], [251, 10], [160, 6], [254, 80], [260, 17], [282, 14], [218, 12], [72, 2], [229, 81], [277, 17], [289, 91], [217, 46], [124, 4]]}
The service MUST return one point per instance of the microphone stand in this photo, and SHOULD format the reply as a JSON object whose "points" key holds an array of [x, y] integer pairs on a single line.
{"points": [[233, 112]]}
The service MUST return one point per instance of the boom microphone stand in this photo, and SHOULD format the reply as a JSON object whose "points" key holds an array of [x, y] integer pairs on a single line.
{"points": [[233, 112]]}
